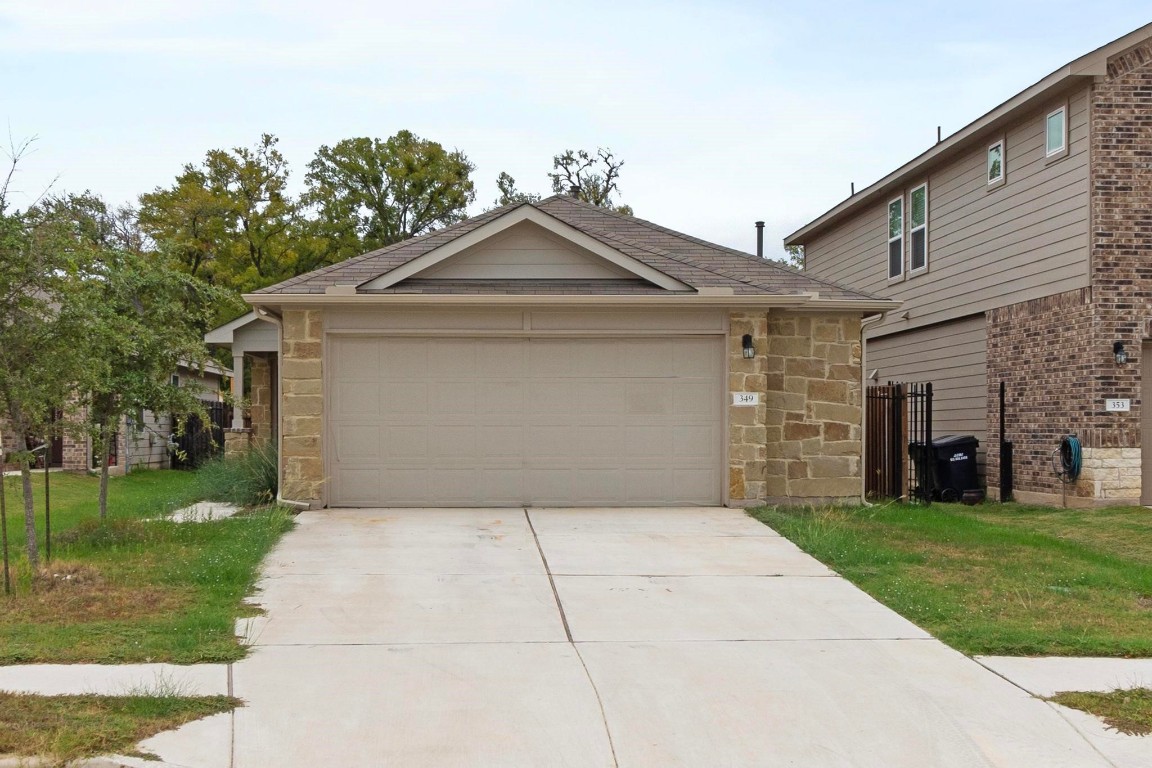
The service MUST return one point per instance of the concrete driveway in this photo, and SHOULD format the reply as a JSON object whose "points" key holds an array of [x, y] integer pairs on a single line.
{"points": [[547, 637]]}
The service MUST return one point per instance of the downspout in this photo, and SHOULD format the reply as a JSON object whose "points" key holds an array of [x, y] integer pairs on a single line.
{"points": [[864, 403], [279, 323]]}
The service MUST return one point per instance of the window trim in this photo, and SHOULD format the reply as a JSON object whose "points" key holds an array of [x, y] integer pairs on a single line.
{"points": [[927, 205], [1003, 178], [1063, 150], [888, 230]]}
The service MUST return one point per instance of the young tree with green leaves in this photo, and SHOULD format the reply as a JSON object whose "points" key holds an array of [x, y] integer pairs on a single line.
{"points": [[42, 356], [143, 318]]}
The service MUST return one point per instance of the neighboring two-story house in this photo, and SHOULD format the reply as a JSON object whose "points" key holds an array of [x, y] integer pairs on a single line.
{"points": [[1021, 247]]}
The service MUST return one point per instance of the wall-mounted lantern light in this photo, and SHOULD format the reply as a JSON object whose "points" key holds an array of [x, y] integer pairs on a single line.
{"points": [[749, 350], [1119, 353]]}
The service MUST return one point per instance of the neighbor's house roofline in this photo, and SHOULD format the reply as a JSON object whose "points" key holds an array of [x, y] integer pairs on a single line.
{"points": [[1094, 64]]}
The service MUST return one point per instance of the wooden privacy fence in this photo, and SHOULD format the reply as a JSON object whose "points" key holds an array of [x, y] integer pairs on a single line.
{"points": [[197, 441], [898, 440]]}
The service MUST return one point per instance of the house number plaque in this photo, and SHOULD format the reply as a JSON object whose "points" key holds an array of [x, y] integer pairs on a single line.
{"points": [[1118, 405], [745, 398]]}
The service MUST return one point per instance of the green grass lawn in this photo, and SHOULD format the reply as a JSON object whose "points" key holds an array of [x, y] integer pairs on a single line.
{"points": [[995, 579], [132, 590]]}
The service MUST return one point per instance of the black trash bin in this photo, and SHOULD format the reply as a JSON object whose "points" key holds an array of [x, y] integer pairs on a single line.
{"points": [[954, 467]]}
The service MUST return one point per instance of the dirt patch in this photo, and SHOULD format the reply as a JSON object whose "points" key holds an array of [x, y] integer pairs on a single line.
{"points": [[74, 593]]}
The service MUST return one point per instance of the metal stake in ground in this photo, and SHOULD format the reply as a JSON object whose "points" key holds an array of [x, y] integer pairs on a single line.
{"points": [[47, 510], [4, 528]]}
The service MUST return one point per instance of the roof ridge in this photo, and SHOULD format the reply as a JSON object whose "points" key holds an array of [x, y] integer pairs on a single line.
{"points": [[680, 259], [682, 236], [352, 260]]}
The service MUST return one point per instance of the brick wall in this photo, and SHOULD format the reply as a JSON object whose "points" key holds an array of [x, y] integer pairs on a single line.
{"points": [[1056, 352], [1121, 209], [1043, 350], [302, 402]]}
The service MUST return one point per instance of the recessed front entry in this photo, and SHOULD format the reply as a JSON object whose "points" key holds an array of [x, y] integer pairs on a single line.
{"points": [[548, 421]]}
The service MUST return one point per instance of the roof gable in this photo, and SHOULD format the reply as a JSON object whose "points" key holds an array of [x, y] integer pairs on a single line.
{"points": [[550, 249], [656, 264]]}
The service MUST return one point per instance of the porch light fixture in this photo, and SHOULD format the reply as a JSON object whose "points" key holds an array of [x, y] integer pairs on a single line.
{"points": [[749, 350], [1118, 352]]}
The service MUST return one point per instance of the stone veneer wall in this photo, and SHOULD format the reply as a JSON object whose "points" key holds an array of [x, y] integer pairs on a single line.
{"points": [[260, 398], [302, 403], [803, 443]]}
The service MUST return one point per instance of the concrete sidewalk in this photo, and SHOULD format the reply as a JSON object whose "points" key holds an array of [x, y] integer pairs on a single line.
{"points": [[602, 638]]}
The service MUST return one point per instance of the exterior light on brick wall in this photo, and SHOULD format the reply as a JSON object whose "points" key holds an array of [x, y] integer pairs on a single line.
{"points": [[1119, 353], [749, 350]]}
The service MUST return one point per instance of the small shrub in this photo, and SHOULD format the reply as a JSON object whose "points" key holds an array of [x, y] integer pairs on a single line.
{"points": [[246, 480]]}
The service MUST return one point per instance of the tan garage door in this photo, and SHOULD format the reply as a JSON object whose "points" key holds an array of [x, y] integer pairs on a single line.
{"points": [[519, 421]]}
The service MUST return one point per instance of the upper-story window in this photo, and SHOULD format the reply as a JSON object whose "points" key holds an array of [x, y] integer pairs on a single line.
{"points": [[1056, 132], [896, 238], [996, 165], [918, 228]]}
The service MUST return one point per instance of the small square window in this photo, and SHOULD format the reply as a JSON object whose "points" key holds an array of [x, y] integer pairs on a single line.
{"points": [[1056, 132], [175, 380], [996, 163]]}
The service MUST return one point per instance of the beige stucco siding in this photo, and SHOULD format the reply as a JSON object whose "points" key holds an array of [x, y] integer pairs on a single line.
{"points": [[954, 357], [987, 247]]}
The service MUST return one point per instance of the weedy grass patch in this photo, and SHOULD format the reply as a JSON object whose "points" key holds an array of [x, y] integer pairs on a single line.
{"points": [[67, 728], [1128, 711], [136, 588]]}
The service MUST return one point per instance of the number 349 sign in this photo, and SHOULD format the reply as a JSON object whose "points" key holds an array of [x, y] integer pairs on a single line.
{"points": [[745, 398]]}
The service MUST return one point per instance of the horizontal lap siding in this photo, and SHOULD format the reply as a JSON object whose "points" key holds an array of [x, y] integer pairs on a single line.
{"points": [[953, 356], [986, 248]]}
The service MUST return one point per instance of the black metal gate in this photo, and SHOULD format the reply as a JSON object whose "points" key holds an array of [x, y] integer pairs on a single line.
{"points": [[898, 441], [197, 442]]}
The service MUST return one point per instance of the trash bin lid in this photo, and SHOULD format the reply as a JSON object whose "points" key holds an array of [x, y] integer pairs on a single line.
{"points": [[950, 441]]}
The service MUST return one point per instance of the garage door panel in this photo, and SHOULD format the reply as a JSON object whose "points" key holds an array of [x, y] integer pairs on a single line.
{"points": [[400, 398], [690, 444], [358, 398], [496, 422], [359, 358], [697, 397], [501, 396], [399, 360], [649, 441], [645, 398], [693, 484], [451, 443], [358, 443], [361, 485]]}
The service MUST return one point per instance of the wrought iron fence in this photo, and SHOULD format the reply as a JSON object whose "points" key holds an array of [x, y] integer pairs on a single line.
{"points": [[898, 441], [196, 442]]}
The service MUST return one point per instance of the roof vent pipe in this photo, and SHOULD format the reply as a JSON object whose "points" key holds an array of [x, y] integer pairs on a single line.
{"points": [[759, 239]]}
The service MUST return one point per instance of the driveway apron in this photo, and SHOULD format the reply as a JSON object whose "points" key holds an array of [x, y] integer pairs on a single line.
{"points": [[614, 637]]}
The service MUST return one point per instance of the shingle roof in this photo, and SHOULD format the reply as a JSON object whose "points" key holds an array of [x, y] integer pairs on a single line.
{"points": [[690, 260]]}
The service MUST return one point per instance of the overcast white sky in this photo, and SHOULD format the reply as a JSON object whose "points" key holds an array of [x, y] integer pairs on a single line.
{"points": [[724, 112]]}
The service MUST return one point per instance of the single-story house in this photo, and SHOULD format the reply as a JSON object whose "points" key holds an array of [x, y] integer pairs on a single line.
{"points": [[560, 354], [139, 442]]}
